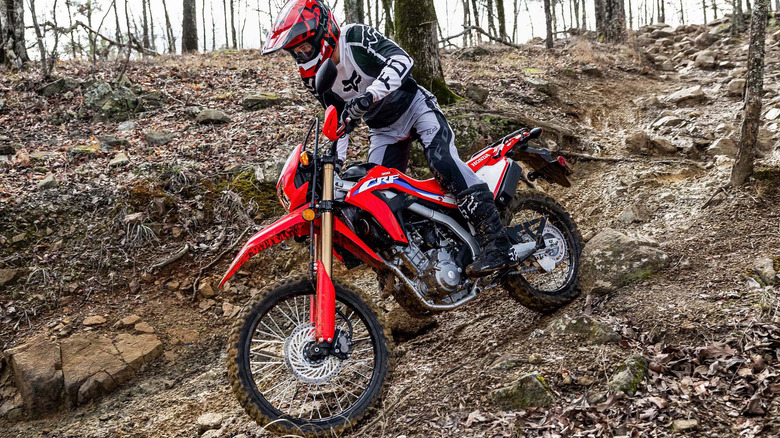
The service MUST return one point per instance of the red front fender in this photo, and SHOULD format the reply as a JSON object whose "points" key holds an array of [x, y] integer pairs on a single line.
{"points": [[291, 225]]}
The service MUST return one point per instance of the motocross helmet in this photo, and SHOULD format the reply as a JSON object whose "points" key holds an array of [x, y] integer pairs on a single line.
{"points": [[305, 21]]}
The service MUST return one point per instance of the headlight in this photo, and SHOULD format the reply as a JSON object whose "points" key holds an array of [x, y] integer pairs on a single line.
{"points": [[283, 196]]}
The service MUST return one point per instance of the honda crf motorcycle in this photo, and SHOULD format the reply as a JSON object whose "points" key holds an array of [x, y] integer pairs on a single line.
{"points": [[309, 354]]}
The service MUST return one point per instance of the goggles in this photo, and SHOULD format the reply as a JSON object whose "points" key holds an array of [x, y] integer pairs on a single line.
{"points": [[303, 52]]}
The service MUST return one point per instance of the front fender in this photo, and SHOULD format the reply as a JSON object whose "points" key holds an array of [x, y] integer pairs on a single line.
{"points": [[290, 225]]}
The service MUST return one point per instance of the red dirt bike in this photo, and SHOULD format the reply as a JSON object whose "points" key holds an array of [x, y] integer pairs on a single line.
{"points": [[308, 355]]}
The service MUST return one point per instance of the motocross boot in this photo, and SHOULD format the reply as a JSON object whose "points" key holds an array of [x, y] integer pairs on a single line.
{"points": [[477, 206]]}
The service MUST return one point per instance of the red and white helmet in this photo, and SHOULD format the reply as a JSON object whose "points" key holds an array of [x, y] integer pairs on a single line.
{"points": [[302, 21]]}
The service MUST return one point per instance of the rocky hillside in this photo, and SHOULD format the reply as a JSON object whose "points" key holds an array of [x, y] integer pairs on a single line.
{"points": [[123, 198]]}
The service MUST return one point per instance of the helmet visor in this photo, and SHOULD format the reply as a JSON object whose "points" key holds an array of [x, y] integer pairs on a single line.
{"points": [[292, 25]]}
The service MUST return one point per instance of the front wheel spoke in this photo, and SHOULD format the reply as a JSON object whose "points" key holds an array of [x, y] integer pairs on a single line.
{"points": [[303, 403], [279, 384], [284, 391], [275, 335], [347, 390]]}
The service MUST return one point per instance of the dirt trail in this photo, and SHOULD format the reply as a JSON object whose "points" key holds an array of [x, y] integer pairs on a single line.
{"points": [[443, 377]]}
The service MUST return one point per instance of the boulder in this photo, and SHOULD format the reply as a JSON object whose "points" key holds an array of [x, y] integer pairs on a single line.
{"points": [[158, 138], [775, 37], [736, 87], [670, 121], [128, 321], [637, 143], [663, 146], [529, 390], [477, 94], [257, 101], [764, 267], [270, 170], [723, 146], [684, 425], [58, 87], [128, 125], [91, 366], [8, 276], [635, 213], [663, 33], [629, 375], [690, 95], [472, 53], [705, 60], [119, 160], [611, 260], [212, 116], [137, 350], [37, 369], [94, 320], [144, 327], [592, 70], [49, 182], [153, 100], [110, 142], [209, 421], [704, 40], [404, 326], [542, 86], [772, 114], [84, 150], [119, 105]]}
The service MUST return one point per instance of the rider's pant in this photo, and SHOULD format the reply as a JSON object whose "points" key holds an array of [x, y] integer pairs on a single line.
{"points": [[423, 121]]}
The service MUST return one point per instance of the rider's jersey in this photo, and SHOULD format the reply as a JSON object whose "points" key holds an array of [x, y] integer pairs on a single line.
{"points": [[370, 62]]}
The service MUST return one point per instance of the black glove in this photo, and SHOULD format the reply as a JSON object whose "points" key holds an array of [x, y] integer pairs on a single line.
{"points": [[338, 166], [357, 107]]}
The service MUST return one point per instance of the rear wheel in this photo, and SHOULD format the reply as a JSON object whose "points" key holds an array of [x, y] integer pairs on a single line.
{"points": [[278, 381], [547, 280]]}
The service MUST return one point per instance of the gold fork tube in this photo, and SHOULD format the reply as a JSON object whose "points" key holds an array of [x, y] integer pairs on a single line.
{"points": [[326, 231]]}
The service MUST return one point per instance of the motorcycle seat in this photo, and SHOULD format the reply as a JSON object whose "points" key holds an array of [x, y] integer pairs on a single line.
{"points": [[356, 171]]}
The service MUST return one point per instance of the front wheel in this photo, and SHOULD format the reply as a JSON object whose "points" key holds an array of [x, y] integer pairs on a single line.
{"points": [[547, 280], [278, 382]]}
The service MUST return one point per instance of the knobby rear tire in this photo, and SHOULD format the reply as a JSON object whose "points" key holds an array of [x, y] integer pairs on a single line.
{"points": [[245, 389]]}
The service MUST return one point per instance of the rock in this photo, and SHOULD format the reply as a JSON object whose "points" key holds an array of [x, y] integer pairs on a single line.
{"points": [[95, 94], [110, 142], [472, 53], [209, 421], [629, 375], [477, 94], [736, 87], [91, 366], [671, 121], [636, 213], [687, 96], [85, 150], [212, 116], [637, 143], [12, 408], [143, 327], [128, 321], [119, 160], [49, 182], [137, 350], [404, 326], [528, 391], [205, 290], [723, 146], [663, 146], [158, 138], [183, 336], [684, 425], [592, 70], [270, 170], [214, 433], [594, 331], [134, 218], [775, 36], [6, 148], [611, 260], [8, 276], [535, 359], [256, 101], [704, 40], [764, 267], [94, 320], [153, 100], [663, 33], [229, 311], [542, 86], [772, 114], [705, 60], [37, 370], [59, 86], [119, 105], [126, 126], [2, 105]]}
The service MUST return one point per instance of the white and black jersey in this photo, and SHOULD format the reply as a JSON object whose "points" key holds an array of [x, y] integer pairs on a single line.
{"points": [[370, 62]]}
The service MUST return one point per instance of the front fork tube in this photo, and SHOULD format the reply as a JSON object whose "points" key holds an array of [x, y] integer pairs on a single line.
{"points": [[325, 313]]}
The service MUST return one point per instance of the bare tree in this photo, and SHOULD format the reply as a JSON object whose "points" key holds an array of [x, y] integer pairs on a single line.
{"points": [[548, 41], [704, 10], [14, 49], [715, 9], [203, 22], [415, 26], [189, 27], [754, 88], [145, 25], [46, 66], [528, 13], [611, 20], [584, 16], [70, 23], [368, 9], [151, 26], [661, 11], [631, 16], [475, 12], [501, 20], [233, 23], [491, 18], [169, 30], [737, 18], [213, 29], [389, 26], [225, 14]]}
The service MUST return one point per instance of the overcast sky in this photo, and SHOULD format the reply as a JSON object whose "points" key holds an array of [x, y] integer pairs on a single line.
{"points": [[450, 14]]}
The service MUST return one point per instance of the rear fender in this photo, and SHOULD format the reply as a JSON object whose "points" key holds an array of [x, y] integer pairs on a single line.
{"points": [[290, 225]]}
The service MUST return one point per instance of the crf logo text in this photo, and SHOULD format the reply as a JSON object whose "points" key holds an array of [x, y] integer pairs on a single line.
{"points": [[378, 182]]}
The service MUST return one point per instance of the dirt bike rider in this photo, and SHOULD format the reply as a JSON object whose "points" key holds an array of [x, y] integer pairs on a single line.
{"points": [[374, 80]]}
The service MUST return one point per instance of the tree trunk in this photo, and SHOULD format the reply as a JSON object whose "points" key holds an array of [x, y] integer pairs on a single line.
{"points": [[514, 26], [214, 29], [2, 32], [145, 25], [259, 24], [233, 24], [189, 27], [70, 23], [169, 30], [577, 12], [415, 26], [611, 20], [548, 42], [368, 8], [501, 20], [754, 88], [92, 36], [389, 26], [662, 11], [737, 18], [682, 12], [203, 23], [554, 18], [225, 14], [715, 9], [475, 14], [704, 10], [39, 40], [528, 13], [584, 16], [353, 11], [631, 16], [15, 47], [466, 22], [491, 18]]}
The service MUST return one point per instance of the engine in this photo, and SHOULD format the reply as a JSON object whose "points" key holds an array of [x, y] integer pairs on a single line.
{"points": [[434, 255]]}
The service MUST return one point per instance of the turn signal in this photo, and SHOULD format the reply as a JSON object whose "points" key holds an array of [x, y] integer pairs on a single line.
{"points": [[308, 214], [305, 159]]}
